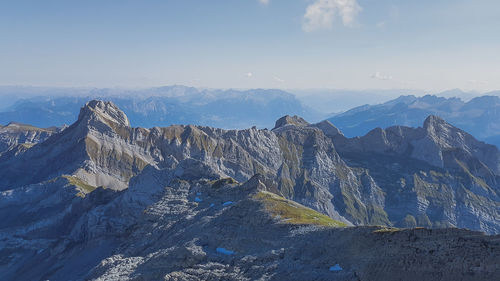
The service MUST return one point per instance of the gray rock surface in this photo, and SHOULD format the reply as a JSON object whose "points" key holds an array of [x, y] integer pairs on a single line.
{"points": [[156, 230], [104, 201], [17, 136], [290, 120]]}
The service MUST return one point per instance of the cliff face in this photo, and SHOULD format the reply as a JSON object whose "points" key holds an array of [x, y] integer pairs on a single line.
{"points": [[197, 202], [433, 176], [165, 227], [94, 148], [436, 175], [16, 136]]}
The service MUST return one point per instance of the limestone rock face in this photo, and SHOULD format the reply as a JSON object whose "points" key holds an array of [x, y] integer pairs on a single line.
{"points": [[437, 173], [95, 149], [365, 184], [290, 120], [14, 134], [96, 112], [328, 128], [165, 227], [195, 203], [429, 144]]}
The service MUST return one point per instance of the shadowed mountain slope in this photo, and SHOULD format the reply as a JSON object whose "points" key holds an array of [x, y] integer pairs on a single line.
{"points": [[101, 200]]}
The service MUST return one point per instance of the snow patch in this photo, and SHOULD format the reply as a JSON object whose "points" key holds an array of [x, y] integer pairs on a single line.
{"points": [[336, 267], [224, 251]]}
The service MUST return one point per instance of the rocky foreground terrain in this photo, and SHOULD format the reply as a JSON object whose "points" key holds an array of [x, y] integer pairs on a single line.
{"points": [[100, 200]]}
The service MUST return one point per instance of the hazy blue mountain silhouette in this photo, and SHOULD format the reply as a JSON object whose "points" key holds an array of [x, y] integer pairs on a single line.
{"points": [[166, 106], [480, 116]]}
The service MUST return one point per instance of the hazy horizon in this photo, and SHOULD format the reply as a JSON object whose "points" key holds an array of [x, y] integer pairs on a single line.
{"points": [[324, 101]]}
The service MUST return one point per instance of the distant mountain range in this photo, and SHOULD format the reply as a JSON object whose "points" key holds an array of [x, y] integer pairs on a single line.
{"points": [[238, 109], [101, 200], [165, 106], [480, 116]]}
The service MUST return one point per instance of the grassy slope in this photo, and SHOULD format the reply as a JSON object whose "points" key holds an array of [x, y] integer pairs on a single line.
{"points": [[294, 213], [82, 186]]}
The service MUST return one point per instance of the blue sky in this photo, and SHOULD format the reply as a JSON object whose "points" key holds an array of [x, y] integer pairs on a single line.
{"points": [[290, 44]]}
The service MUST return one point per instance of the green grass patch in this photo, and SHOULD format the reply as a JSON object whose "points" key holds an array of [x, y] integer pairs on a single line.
{"points": [[477, 180], [27, 145], [82, 186], [294, 213], [387, 230], [223, 182]]}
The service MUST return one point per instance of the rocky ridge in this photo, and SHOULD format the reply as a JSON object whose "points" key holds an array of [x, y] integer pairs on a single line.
{"points": [[437, 175], [180, 203], [16, 136]]}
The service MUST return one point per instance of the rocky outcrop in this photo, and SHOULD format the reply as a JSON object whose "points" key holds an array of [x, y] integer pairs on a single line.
{"points": [[437, 175], [96, 148], [98, 112], [429, 144], [166, 227], [290, 120], [328, 128], [193, 202], [17, 136]]}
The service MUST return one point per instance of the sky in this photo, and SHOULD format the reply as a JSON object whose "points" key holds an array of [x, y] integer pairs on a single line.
{"points": [[290, 44]]}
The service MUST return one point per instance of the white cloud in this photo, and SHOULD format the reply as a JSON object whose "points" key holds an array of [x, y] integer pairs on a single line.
{"points": [[249, 74], [380, 76], [265, 2], [321, 13], [279, 80]]}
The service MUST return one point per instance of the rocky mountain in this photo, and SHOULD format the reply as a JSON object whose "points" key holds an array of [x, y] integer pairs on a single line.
{"points": [[17, 136], [438, 168], [478, 116], [101, 200], [163, 106]]}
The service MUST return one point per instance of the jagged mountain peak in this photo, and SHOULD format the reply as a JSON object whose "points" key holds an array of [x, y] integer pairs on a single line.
{"points": [[446, 135], [433, 121], [94, 149], [290, 120], [201, 198], [328, 128], [440, 130], [406, 99], [104, 111]]}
